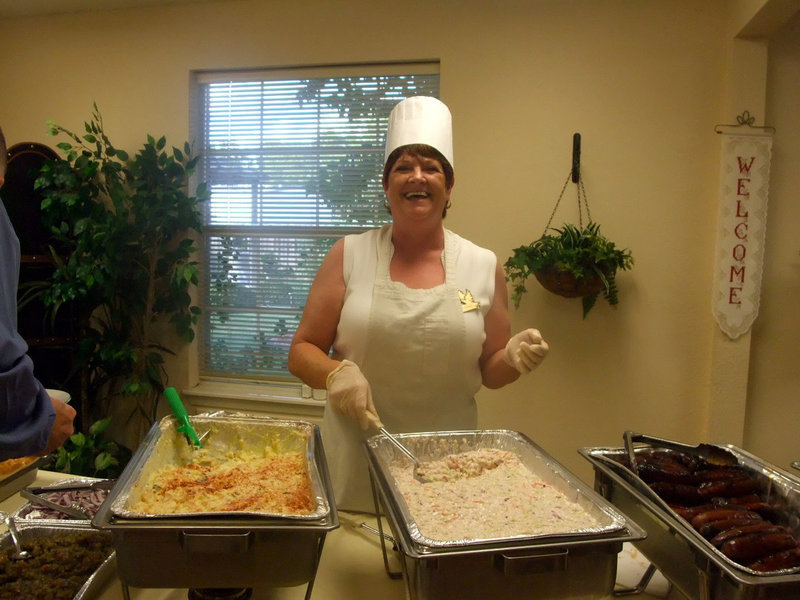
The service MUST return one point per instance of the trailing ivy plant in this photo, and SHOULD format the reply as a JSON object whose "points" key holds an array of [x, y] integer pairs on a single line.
{"points": [[584, 255], [123, 251]]}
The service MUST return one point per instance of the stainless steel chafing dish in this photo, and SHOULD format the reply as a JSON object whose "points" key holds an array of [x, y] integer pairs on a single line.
{"points": [[577, 565], [219, 550], [694, 566], [96, 582]]}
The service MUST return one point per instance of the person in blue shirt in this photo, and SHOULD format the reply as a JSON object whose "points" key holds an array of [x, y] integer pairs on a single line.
{"points": [[31, 422]]}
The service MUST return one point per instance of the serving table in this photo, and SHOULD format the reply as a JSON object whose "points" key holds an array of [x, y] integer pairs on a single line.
{"points": [[351, 566]]}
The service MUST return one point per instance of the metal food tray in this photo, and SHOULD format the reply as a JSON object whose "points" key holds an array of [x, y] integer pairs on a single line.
{"points": [[434, 446], [225, 550], [96, 582], [14, 482], [579, 566], [686, 558], [165, 446]]}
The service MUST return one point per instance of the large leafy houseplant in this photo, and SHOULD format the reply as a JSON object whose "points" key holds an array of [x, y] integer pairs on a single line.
{"points": [[571, 261], [122, 228]]}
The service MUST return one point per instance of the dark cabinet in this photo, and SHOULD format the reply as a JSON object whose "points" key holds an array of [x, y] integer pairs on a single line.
{"points": [[52, 340]]}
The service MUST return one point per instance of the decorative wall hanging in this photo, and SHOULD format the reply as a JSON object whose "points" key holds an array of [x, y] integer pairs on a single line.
{"points": [[741, 223], [573, 261]]}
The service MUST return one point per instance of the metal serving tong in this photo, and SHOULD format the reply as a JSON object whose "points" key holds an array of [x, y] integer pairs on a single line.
{"points": [[19, 552], [713, 454], [67, 486], [73, 510], [184, 425]]}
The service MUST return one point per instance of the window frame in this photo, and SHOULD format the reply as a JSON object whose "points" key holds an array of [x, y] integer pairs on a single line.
{"points": [[282, 386]]}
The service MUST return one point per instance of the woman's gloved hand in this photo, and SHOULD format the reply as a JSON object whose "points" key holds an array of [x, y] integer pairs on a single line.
{"points": [[526, 350], [349, 394]]}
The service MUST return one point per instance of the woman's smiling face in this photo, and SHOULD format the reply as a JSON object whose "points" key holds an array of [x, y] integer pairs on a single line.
{"points": [[416, 186]]}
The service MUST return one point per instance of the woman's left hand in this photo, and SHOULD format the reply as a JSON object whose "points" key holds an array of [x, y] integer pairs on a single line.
{"points": [[526, 350]]}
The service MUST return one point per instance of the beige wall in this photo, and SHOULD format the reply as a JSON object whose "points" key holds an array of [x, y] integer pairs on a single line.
{"points": [[643, 82], [773, 408]]}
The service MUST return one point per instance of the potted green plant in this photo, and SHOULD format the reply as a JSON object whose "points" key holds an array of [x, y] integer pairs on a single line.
{"points": [[572, 262], [124, 253], [92, 454]]}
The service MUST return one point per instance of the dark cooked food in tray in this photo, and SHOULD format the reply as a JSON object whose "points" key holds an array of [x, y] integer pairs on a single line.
{"points": [[726, 505], [59, 566]]}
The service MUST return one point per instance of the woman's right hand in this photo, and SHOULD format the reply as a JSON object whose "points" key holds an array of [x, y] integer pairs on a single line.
{"points": [[350, 394]]}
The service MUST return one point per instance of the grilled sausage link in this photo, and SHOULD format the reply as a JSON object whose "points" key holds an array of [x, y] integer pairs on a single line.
{"points": [[765, 509], [751, 547], [651, 472], [741, 500], [787, 559], [722, 514], [713, 528], [714, 473], [677, 492], [689, 512], [762, 527], [728, 488]]}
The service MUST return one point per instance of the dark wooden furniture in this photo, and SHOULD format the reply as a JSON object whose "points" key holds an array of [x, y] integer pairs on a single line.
{"points": [[52, 340]]}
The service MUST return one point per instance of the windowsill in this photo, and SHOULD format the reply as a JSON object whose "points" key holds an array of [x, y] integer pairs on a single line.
{"points": [[277, 399], [291, 393]]}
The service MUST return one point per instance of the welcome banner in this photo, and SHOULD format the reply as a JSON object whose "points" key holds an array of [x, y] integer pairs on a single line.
{"points": [[742, 220]]}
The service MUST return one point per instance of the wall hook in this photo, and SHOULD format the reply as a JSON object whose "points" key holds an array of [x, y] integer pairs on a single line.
{"points": [[576, 158]]}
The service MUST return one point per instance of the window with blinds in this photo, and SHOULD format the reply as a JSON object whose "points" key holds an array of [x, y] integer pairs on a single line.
{"points": [[293, 159]]}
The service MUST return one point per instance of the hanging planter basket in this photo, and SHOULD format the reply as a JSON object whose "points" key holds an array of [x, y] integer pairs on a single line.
{"points": [[572, 261], [567, 284]]}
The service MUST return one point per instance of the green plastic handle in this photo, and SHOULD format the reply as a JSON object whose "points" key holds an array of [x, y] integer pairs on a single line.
{"points": [[179, 410]]}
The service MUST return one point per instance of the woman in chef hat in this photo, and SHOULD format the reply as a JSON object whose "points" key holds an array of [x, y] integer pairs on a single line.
{"points": [[416, 315]]}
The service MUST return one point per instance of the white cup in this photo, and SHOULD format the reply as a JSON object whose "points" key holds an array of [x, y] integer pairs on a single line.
{"points": [[59, 395]]}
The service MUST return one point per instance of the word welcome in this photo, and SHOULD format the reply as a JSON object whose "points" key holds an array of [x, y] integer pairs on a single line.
{"points": [[738, 250]]}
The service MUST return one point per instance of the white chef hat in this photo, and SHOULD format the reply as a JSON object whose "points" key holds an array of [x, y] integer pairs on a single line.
{"points": [[420, 120]]}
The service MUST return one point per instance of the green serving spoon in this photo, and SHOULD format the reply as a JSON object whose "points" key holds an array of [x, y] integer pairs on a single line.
{"points": [[179, 410]]}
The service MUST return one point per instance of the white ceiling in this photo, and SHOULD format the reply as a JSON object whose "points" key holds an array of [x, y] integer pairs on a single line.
{"points": [[23, 8]]}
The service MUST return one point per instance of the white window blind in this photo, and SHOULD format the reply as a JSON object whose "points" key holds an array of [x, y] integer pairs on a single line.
{"points": [[293, 159]]}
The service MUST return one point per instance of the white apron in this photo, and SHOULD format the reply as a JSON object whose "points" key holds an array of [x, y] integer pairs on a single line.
{"points": [[414, 359]]}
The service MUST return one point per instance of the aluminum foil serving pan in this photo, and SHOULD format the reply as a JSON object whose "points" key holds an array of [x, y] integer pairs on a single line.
{"points": [[18, 473], [95, 583], [220, 550], [75, 499], [545, 472], [576, 564], [228, 441], [688, 560]]}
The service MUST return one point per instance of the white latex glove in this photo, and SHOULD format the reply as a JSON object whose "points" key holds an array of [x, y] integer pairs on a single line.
{"points": [[350, 395], [526, 350]]}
